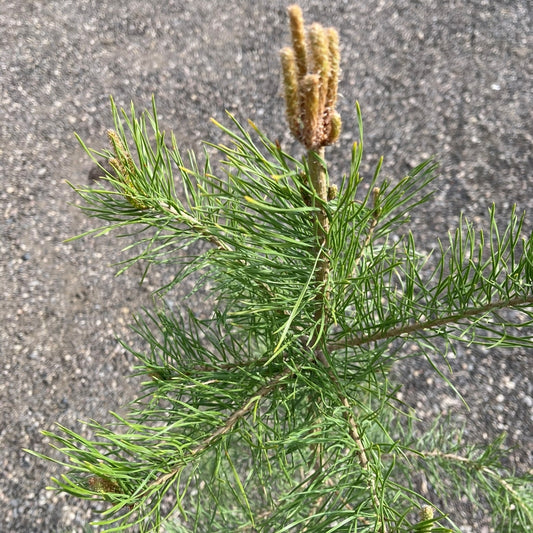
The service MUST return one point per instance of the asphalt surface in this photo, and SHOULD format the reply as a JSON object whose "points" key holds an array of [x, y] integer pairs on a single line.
{"points": [[445, 78]]}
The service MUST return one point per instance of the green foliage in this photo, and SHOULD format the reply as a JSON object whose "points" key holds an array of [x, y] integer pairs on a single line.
{"points": [[277, 413]]}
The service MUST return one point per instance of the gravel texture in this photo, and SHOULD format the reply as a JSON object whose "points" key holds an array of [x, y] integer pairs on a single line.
{"points": [[436, 77]]}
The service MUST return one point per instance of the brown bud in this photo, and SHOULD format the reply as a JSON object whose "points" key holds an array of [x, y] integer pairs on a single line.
{"points": [[334, 65], [296, 21], [102, 484], [121, 153], [334, 128], [290, 84], [310, 98], [318, 46], [333, 190], [310, 78], [118, 167]]}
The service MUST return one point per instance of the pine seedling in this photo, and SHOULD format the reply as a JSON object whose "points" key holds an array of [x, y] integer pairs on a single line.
{"points": [[277, 414]]}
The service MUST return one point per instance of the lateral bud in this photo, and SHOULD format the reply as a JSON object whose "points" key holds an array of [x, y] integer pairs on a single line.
{"points": [[333, 190], [425, 514], [375, 200], [125, 168], [334, 128], [102, 484]]}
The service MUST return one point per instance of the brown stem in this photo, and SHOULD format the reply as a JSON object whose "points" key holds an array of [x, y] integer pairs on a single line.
{"points": [[430, 324], [222, 430], [320, 184], [317, 173]]}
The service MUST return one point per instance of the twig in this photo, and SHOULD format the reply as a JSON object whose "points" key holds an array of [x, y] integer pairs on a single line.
{"points": [[222, 430], [430, 324]]}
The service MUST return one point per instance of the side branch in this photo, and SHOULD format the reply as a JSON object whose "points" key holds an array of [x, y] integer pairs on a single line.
{"points": [[355, 436], [195, 225], [222, 430], [452, 457], [430, 324]]}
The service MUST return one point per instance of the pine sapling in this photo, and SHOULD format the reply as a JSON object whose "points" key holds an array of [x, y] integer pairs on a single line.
{"points": [[278, 413]]}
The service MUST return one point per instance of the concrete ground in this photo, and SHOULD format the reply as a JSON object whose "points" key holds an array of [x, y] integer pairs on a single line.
{"points": [[440, 77]]}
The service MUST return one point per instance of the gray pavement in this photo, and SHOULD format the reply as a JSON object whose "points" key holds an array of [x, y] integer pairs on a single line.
{"points": [[449, 78]]}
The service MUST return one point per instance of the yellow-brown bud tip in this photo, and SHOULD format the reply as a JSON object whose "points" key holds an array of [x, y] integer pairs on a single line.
{"points": [[290, 85], [296, 21], [116, 142], [426, 513], [334, 66], [310, 97]]}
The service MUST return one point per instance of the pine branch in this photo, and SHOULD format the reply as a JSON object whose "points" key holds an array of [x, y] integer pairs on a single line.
{"points": [[456, 318], [224, 429], [475, 464]]}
